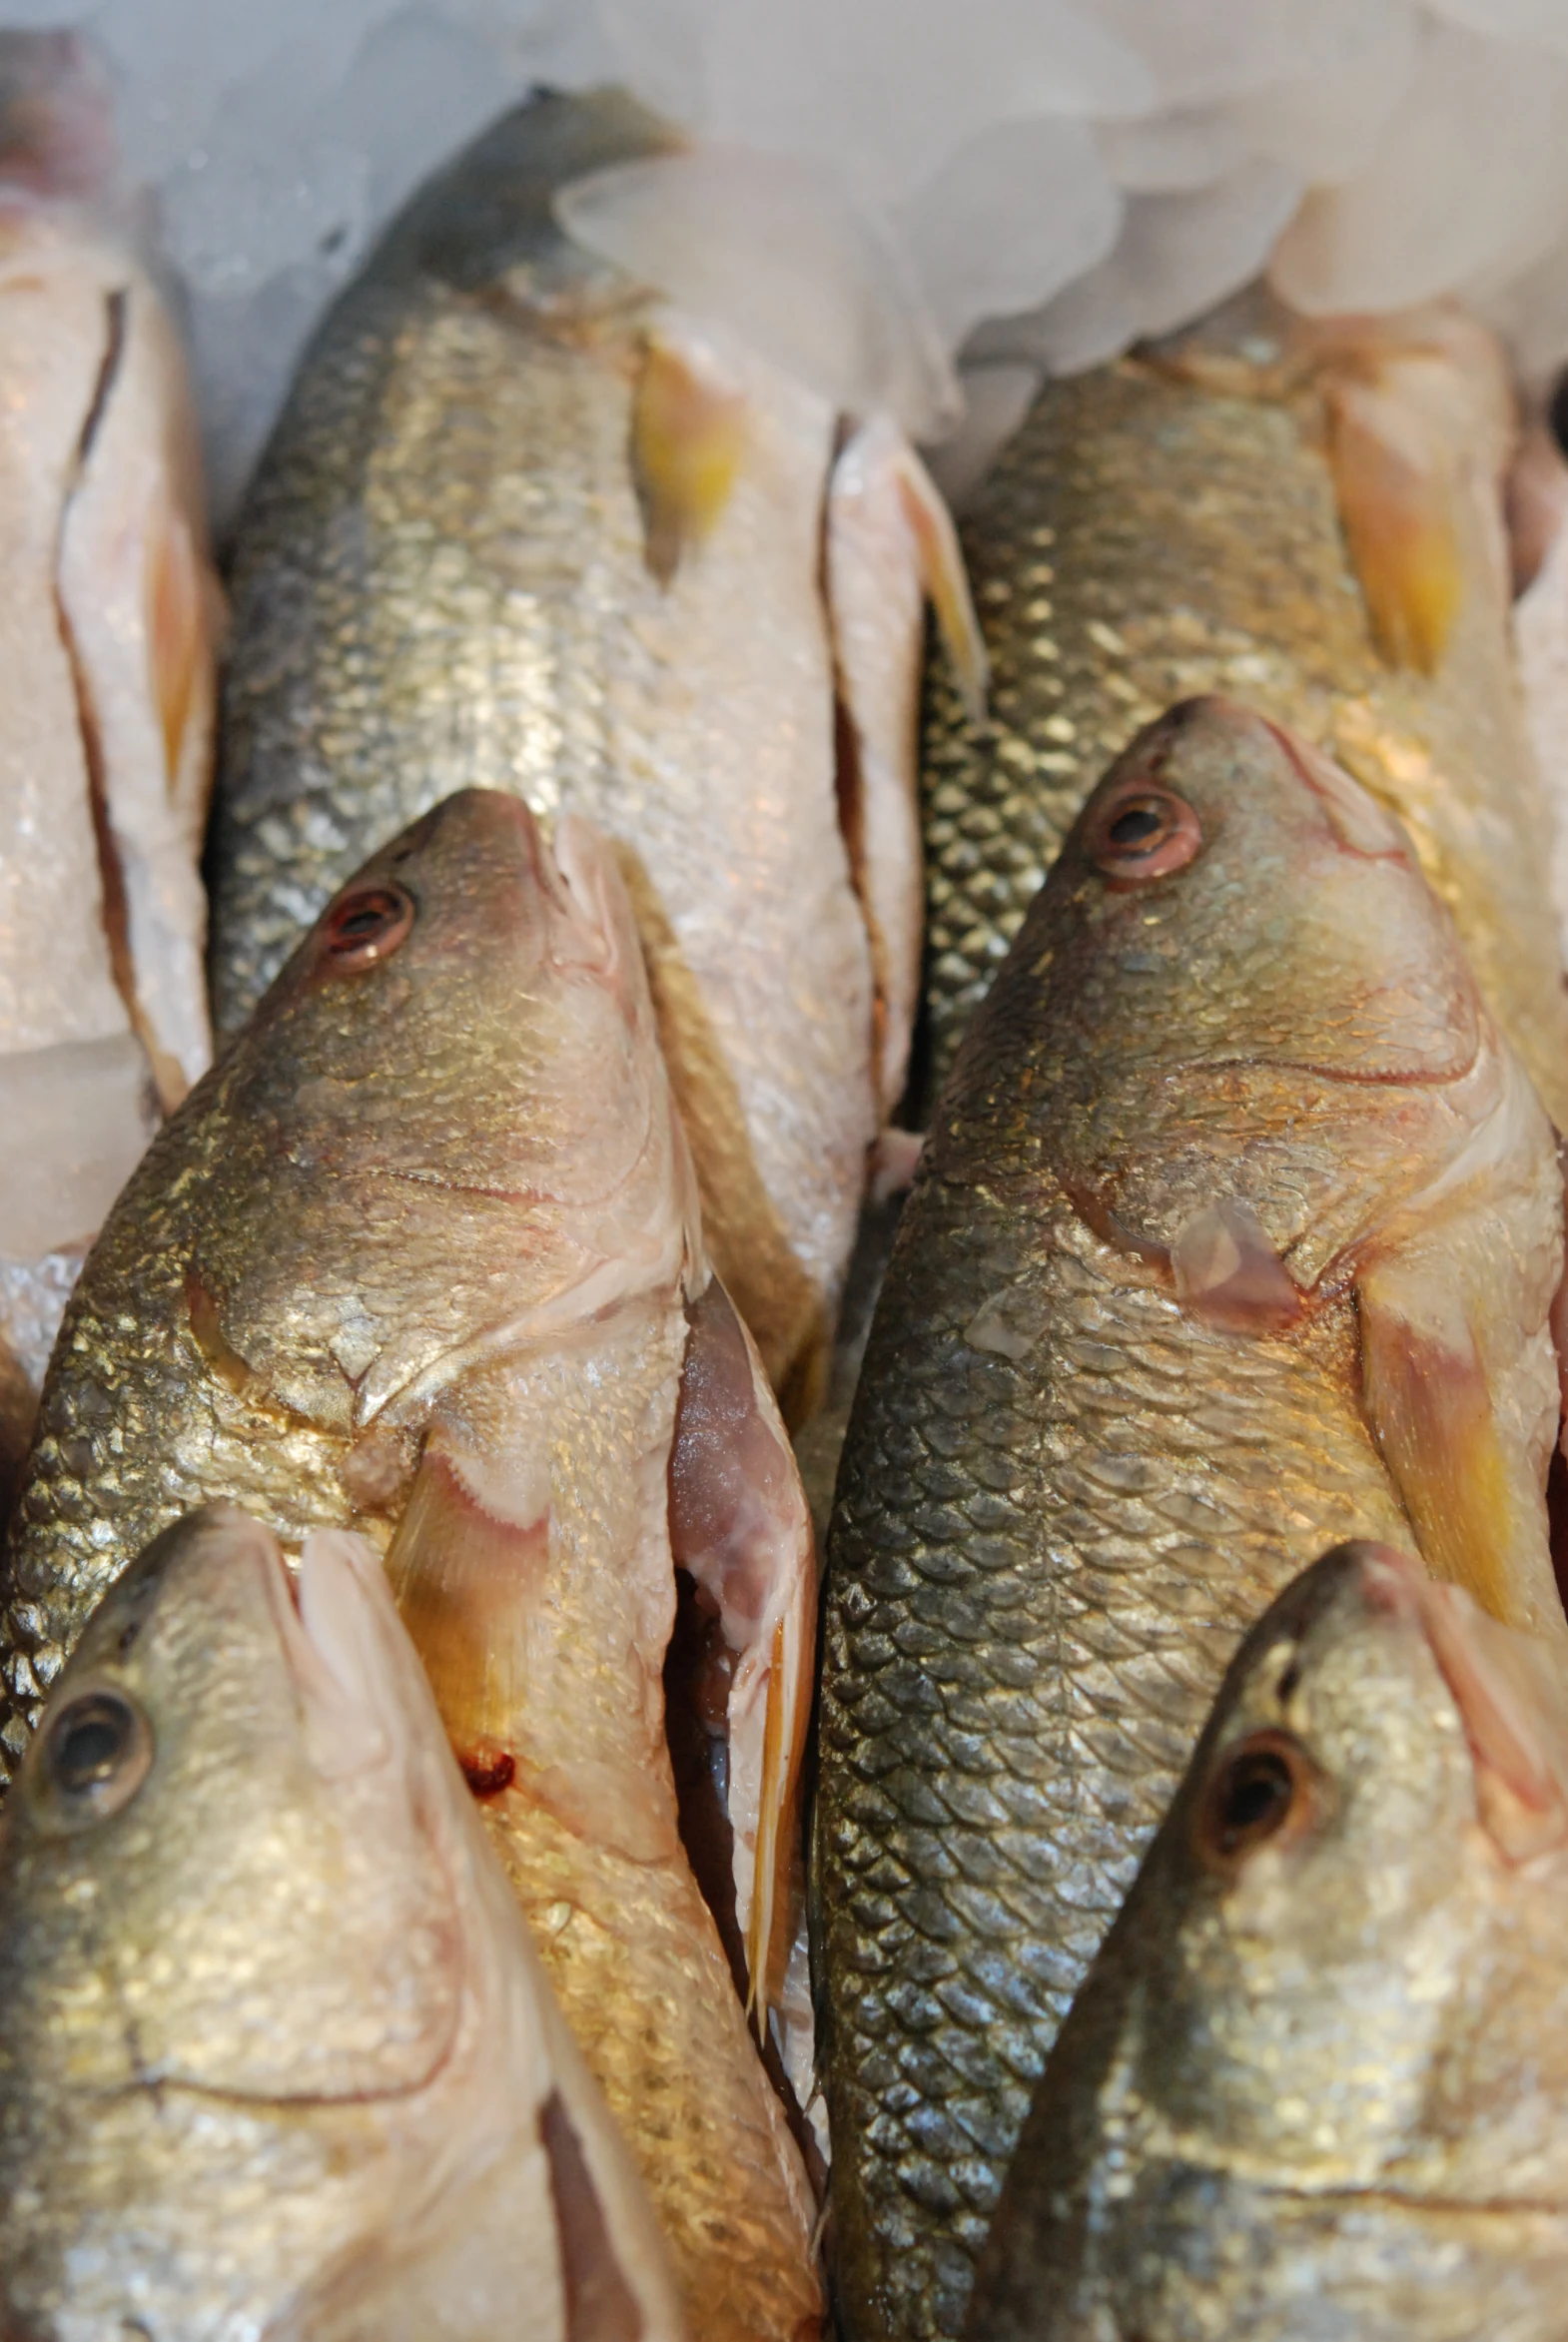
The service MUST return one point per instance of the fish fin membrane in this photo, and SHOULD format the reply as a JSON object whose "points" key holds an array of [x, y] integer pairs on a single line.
{"points": [[1227, 1273], [875, 578], [739, 1523], [462, 1576], [1396, 504], [601, 2306], [688, 431], [947, 583], [177, 631], [1427, 1398]]}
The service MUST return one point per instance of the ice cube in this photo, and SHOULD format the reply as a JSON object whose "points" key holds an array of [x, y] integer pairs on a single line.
{"points": [[1203, 50], [1017, 213], [1177, 255], [996, 400], [886, 88], [777, 251], [1327, 124], [1531, 314], [1468, 187], [1534, 22], [419, 88], [1190, 147]]}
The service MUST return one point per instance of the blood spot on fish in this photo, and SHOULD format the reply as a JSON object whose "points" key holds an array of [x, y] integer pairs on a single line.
{"points": [[487, 1770], [366, 926]]}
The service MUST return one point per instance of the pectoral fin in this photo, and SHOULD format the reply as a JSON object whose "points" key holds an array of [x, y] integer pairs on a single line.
{"points": [[1396, 504], [687, 435], [740, 1525], [177, 633], [947, 583], [1227, 1273], [1478, 1516], [464, 1577]]}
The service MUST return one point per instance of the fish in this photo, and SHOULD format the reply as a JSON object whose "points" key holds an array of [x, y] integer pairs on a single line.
{"points": [[1308, 517], [277, 2053], [1538, 507], [1315, 2081], [523, 525], [1236, 1234], [107, 657], [422, 1257]]}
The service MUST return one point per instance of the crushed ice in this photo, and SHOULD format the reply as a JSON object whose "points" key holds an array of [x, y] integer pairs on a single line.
{"points": [[1007, 185]]}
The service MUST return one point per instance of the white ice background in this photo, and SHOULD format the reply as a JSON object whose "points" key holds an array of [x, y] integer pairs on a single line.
{"points": [[1063, 173]]}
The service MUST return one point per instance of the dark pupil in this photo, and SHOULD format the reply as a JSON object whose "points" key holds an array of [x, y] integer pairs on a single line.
{"points": [[358, 923], [1256, 1799], [89, 1742], [1136, 826]]}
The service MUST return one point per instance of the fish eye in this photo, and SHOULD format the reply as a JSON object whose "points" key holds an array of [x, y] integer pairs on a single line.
{"points": [[367, 924], [1144, 833], [1263, 1790], [97, 1752]]}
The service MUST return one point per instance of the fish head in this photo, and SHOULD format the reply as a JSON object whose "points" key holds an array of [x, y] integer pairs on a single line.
{"points": [[1249, 994], [223, 1876], [449, 1112], [1349, 1932]]}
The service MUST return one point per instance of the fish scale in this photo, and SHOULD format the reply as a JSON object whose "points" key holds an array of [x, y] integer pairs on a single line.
{"points": [[1084, 1453], [1146, 535], [1020, 1649]]}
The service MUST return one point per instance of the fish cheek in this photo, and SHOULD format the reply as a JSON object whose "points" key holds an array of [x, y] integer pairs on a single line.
{"points": [[599, 2303]]}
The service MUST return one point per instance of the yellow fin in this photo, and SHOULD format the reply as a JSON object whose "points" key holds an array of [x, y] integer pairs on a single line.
{"points": [[687, 434], [1396, 504], [946, 580], [176, 631], [1427, 1399]]}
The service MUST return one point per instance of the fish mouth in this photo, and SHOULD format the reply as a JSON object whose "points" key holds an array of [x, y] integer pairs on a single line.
{"points": [[1511, 1703]]}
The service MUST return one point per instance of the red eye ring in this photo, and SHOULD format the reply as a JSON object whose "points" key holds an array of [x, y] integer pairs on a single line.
{"points": [[1264, 1790], [367, 924], [1140, 832]]}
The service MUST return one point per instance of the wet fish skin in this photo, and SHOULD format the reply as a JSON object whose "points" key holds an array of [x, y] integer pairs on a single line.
{"points": [[523, 527], [1187, 520], [1314, 2084], [1066, 1492], [381, 1271], [107, 646], [276, 2051]]}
